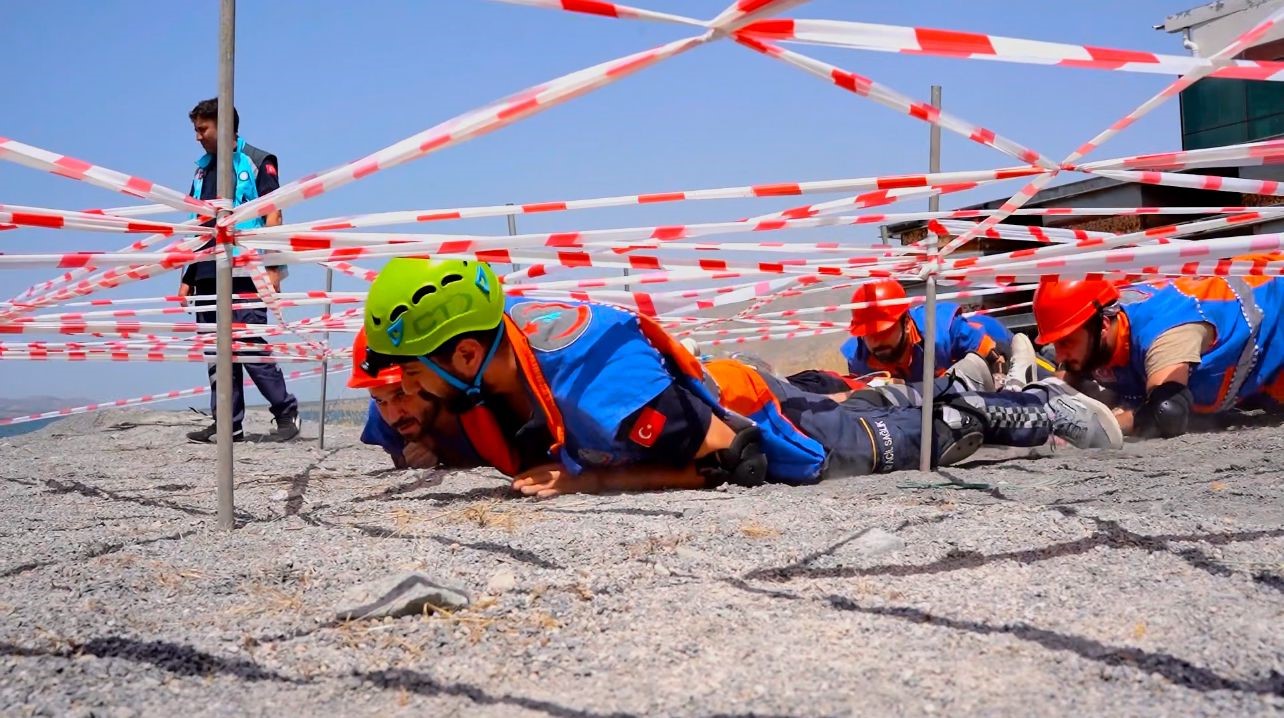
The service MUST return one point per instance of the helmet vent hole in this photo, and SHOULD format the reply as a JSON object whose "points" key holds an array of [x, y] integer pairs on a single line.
{"points": [[449, 278], [397, 311], [423, 292], [377, 321]]}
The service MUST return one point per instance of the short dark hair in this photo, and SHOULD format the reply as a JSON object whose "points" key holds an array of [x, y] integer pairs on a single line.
{"points": [[208, 110], [444, 352]]}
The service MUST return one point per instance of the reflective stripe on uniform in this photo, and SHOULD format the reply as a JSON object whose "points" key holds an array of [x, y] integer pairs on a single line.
{"points": [[1248, 357]]}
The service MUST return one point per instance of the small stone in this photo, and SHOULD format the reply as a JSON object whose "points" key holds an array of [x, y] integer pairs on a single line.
{"points": [[877, 542], [279, 495], [399, 595], [690, 554], [662, 570], [502, 582]]}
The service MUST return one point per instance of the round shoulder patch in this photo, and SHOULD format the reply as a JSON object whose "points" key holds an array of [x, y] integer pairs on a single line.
{"points": [[551, 325], [1134, 295]]}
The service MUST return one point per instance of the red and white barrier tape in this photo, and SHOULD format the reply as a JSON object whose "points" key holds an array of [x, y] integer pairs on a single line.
{"points": [[976, 46], [607, 9], [462, 128], [19, 216], [777, 189], [1250, 154], [1245, 40], [154, 398], [886, 96], [70, 167], [1096, 244]]}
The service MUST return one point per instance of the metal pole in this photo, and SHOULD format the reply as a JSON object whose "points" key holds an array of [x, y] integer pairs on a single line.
{"points": [[929, 333], [325, 363], [512, 231], [223, 306]]}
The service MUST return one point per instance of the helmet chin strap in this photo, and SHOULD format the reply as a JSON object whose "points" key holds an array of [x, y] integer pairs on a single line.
{"points": [[472, 390], [480, 425]]}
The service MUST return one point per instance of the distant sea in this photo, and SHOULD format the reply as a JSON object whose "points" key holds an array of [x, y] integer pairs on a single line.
{"points": [[341, 411], [27, 428]]}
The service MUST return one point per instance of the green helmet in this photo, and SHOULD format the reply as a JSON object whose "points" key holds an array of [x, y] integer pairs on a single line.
{"points": [[416, 305]]}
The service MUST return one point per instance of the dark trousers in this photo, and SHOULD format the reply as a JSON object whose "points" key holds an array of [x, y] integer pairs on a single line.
{"points": [[267, 377], [1008, 418], [876, 431]]}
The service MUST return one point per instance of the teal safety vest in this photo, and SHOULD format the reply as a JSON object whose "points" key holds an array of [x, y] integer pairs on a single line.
{"points": [[247, 188]]}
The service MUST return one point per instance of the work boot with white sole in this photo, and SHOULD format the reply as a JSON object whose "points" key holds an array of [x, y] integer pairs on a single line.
{"points": [[1079, 419]]}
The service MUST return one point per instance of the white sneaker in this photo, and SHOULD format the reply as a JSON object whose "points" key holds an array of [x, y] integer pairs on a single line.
{"points": [[1024, 369], [1080, 420], [974, 373]]}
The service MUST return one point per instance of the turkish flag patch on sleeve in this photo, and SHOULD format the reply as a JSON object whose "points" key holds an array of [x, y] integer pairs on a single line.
{"points": [[646, 430]]}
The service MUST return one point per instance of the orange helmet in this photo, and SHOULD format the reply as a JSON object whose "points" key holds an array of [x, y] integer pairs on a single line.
{"points": [[1063, 305], [360, 379], [877, 319]]}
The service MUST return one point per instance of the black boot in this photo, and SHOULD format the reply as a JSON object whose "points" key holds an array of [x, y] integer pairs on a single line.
{"points": [[209, 435], [287, 427]]}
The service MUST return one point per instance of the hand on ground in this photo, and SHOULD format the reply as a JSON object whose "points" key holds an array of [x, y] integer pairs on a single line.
{"points": [[419, 456], [553, 480]]}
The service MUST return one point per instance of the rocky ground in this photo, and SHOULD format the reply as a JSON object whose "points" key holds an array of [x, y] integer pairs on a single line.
{"points": [[1142, 582]]}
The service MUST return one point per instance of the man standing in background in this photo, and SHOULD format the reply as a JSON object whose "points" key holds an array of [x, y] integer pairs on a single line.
{"points": [[254, 174]]}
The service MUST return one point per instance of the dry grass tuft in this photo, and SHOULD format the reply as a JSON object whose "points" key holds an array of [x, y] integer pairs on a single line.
{"points": [[488, 514], [653, 545], [755, 530], [403, 521], [173, 578], [494, 513], [544, 620], [268, 600], [475, 625]]}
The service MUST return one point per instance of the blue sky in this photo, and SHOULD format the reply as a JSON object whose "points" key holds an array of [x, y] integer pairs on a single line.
{"points": [[320, 83]]}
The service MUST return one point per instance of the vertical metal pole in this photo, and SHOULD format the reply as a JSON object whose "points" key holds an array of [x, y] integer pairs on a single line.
{"points": [[929, 333], [934, 151], [223, 305], [512, 231], [325, 363]]}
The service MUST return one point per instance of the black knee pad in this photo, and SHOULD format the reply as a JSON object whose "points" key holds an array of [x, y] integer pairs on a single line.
{"points": [[1166, 411], [958, 435], [742, 463]]}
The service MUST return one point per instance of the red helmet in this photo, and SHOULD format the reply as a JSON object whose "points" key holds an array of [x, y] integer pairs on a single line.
{"points": [[360, 379], [877, 319], [1062, 306]]}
